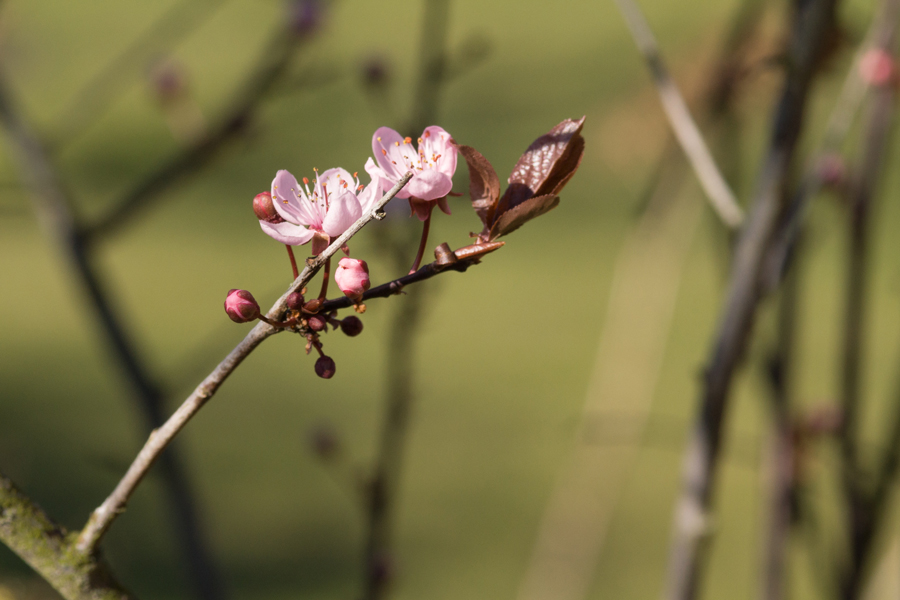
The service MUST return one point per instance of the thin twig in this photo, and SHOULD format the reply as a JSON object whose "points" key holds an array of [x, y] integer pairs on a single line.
{"points": [[53, 206], [686, 131], [812, 23], [104, 515]]}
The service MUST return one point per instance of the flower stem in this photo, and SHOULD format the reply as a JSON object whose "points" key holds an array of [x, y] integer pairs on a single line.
{"points": [[425, 227], [326, 271], [293, 261], [280, 324]]}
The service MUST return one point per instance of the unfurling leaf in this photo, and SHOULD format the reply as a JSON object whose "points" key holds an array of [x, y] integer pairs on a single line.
{"points": [[484, 185], [546, 166], [526, 210]]}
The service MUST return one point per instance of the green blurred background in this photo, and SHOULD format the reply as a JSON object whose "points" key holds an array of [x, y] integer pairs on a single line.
{"points": [[506, 353]]}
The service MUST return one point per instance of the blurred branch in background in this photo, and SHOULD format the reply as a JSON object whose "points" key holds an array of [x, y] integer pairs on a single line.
{"points": [[61, 224], [864, 508], [56, 213], [96, 96], [401, 360], [630, 351], [274, 62], [813, 23], [685, 129]]}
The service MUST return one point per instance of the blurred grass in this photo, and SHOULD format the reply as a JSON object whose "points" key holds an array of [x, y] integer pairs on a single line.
{"points": [[506, 349]]}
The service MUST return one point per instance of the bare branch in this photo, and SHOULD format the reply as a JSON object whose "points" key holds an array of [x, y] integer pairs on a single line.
{"points": [[686, 131], [47, 547], [813, 22], [104, 515]]}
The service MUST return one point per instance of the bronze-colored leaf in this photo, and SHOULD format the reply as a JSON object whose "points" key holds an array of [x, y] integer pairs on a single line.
{"points": [[484, 185], [517, 216], [546, 166]]}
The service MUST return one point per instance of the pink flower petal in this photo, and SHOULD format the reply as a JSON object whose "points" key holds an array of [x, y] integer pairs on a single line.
{"points": [[289, 199], [376, 172], [343, 211], [393, 153], [287, 233], [430, 185], [437, 150]]}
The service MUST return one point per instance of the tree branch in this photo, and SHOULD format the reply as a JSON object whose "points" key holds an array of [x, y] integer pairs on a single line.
{"points": [[813, 21], [114, 505], [686, 131], [47, 547]]}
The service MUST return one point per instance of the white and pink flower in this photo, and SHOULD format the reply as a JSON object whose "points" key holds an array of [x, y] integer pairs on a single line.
{"points": [[321, 213], [433, 163]]}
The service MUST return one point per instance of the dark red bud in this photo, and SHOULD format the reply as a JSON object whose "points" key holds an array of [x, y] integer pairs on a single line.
{"points": [[264, 208], [351, 326], [325, 367], [240, 306], [317, 323], [324, 441], [295, 301]]}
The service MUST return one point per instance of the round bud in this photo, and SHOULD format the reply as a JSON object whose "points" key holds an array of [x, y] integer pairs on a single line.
{"points": [[324, 441], [317, 322], [877, 67], [352, 326], [352, 277], [305, 16], [295, 301], [264, 208], [325, 367], [375, 71], [240, 306]]}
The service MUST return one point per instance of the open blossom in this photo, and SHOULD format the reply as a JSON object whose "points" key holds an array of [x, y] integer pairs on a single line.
{"points": [[433, 163], [319, 213]]}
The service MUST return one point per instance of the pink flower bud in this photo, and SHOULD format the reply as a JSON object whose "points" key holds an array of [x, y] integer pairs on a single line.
{"points": [[240, 306], [352, 276], [877, 67], [264, 209], [325, 367], [351, 326]]}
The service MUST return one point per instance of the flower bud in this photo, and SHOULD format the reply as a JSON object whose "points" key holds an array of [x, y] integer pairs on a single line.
{"points": [[240, 306], [352, 276], [351, 326], [305, 16], [877, 67], [317, 322], [264, 208], [324, 441], [325, 367], [294, 301]]}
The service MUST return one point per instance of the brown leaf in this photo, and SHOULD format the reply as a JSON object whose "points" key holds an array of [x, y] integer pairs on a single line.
{"points": [[484, 185], [546, 166], [517, 216]]}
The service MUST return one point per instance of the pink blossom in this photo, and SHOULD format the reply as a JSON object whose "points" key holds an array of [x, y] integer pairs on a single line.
{"points": [[433, 162], [321, 213], [352, 277]]}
